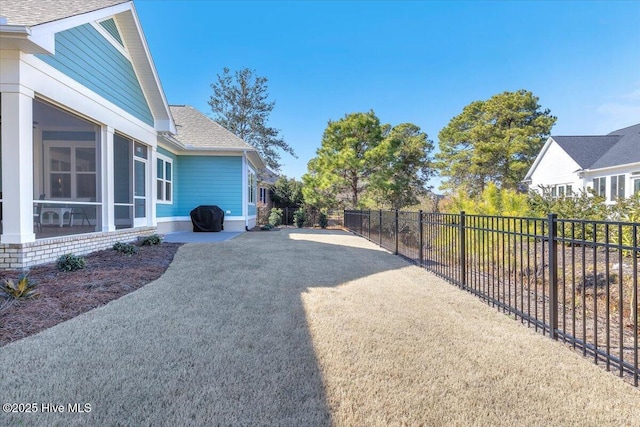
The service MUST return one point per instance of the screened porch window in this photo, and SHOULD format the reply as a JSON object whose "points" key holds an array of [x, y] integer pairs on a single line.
{"points": [[72, 170], [130, 178], [66, 172]]}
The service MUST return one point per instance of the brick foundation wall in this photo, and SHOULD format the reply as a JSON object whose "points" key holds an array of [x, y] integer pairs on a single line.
{"points": [[21, 256]]}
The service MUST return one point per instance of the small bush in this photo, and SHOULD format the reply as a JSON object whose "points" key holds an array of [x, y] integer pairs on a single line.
{"points": [[299, 217], [24, 288], [70, 262], [125, 248], [153, 240], [323, 221], [267, 227], [275, 218]]}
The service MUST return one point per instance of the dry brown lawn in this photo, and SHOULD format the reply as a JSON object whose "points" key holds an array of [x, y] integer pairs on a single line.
{"points": [[305, 328]]}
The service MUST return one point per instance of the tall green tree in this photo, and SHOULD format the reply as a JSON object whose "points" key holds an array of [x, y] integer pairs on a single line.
{"points": [[287, 193], [405, 166], [344, 161], [364, 163], [240, 104], [495, 141]]}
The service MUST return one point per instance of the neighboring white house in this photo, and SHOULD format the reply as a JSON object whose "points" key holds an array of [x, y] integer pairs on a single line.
{"points": [[608, 164]]}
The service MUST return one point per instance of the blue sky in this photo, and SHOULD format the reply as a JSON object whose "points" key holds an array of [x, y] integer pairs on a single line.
{"points": [[415, 61]]}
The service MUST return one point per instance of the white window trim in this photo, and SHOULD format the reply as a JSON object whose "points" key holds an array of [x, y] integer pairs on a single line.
{"points": [[251, 187], [616, 180], [165, 160], [596, 189]]}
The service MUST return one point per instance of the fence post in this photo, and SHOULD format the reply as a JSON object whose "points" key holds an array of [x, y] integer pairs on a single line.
{"points": [[369, 225], [553, 276], [463, 251], [380, 228], [420, 238], [396, 252], [344, 219]]}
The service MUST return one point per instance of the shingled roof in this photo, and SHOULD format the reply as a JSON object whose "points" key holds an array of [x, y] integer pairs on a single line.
{"points": [[586, 150], [195, 130], [620, 147], [625, 151], [34, 12]]}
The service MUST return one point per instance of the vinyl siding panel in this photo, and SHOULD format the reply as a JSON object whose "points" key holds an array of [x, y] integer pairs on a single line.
{"points": [[209, 180], [164, 210], [83, 54], [110, 26]]}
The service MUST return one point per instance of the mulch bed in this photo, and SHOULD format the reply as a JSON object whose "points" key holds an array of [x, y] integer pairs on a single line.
{"points": [[108, 275]]}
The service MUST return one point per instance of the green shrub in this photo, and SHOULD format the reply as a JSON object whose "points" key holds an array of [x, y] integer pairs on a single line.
{"points": [[492, 201], [70, 262], [152, 240], [267, 227], [275, 218], [581, 205], [323, 221], [125, 248], [24, 288], [299, 217]]}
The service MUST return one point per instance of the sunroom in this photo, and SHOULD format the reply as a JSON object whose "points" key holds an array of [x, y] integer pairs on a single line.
{"points": [[68, 176]]}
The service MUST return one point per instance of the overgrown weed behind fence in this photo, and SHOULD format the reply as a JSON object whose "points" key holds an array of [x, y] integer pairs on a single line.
{"points": [[573, 280]]}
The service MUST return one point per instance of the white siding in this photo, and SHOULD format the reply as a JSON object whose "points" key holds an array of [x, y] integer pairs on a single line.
{"points": [[556, 167]]}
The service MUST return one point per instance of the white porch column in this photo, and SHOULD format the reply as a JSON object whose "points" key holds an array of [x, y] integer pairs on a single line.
{"points": [[153, 189], [17, 164], [108, 192]]}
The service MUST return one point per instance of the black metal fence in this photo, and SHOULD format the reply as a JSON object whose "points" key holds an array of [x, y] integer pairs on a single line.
{"points": [[573, 280]]}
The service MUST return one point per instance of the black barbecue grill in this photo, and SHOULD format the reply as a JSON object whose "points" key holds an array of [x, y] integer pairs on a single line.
{"points": [[207, 218]]}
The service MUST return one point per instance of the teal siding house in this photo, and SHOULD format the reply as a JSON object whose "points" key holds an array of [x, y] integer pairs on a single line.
{"points": [[211, 166], [91, 152]]}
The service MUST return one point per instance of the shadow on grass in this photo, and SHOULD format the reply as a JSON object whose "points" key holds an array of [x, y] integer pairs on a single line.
{"points": [[221, 338]]}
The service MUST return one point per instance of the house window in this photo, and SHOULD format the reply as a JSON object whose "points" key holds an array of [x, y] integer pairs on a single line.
{"points": [[164, 179], [251, 191], [617, 187], [561, 190], [636, 186], [600, 186], [71, 170], [263, 194]]}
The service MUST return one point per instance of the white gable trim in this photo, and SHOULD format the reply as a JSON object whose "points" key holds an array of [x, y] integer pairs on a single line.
{"points": [[539, 157], [44, 34], [136, 49], [164, 124], [104, 33]]}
